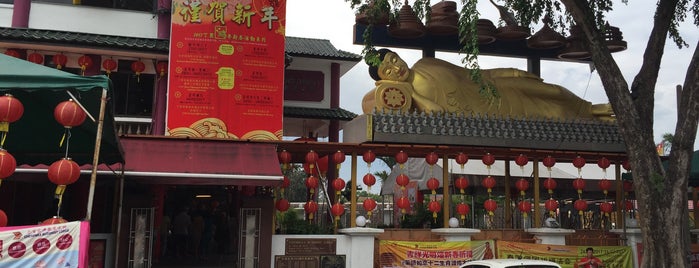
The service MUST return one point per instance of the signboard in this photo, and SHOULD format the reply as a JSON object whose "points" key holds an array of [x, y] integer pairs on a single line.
{"points": [[310, 246], [304, 85], [394, 254], [226, 70], [55, 245], [296, 261], [566, 256]]}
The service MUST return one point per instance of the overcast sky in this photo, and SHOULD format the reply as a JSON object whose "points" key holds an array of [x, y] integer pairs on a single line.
{"points": [[333, 20]]}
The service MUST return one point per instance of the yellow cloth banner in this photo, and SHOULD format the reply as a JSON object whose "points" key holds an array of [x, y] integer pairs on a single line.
{"points": [[398, 254], [566, 256]]}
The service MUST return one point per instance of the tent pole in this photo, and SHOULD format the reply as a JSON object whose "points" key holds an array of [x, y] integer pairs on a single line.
{"points": [[95, 159]]}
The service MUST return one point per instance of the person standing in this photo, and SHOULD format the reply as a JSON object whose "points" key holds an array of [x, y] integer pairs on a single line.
{"points": [[590, 261]]}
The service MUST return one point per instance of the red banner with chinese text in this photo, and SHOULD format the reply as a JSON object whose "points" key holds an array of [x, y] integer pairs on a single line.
{"points": [[226, 77]]}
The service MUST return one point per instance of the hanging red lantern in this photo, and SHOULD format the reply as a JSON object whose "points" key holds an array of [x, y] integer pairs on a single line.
{"points": [[369, 157], [337, 210], [85, 62], [579, 184], [312, 183], [69, 114], [579, 162], [282, 205], [401, 158], [628, 205], [338, 185], [338, 158], [435, 207], [628, 186], [549, 162], [311, 207], [13, 53], [550, 185], [580, 205], [525, 207], [403, 203], [36, 58], [490, 205], [402, 180], [606, 208], [369, 206], [488, 183], [488, 159], [551, 205], [626, 165], [3, 218], [522, 185], [461, 183], [161, 66], [60, 60], [461, 159], [604, 185], [603, 163], [369, 180], [138, 67], [323, 165], [62, 173], [311, 159], [285, 184], [8, 164], [53, 220], [11, 109], [285, 159], [109, 65], [521, 160], [433, 184], [463, 209], [309, 171], [431, 158]]}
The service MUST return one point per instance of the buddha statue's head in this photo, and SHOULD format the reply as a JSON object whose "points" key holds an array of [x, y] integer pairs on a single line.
{"points": [[392, 67]]}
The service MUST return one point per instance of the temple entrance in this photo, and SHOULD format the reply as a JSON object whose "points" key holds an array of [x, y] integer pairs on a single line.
{"points": [[198, 227]]}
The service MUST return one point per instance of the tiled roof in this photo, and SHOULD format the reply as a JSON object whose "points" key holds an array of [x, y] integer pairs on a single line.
{"points": [[295, 46], [319, 113]]}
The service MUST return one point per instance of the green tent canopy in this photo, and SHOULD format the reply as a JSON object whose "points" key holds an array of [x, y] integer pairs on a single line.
{"points": [[36, 137]]}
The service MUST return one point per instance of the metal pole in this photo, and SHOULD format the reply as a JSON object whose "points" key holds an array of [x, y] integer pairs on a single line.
{"points": [[95, 159]]}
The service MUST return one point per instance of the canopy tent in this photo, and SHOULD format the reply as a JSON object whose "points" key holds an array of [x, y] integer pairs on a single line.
{"points": [[36, 137]]}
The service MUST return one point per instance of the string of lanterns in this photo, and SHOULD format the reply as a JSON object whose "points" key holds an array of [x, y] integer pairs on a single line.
{"points": [[433, 184], [550, 184], [462, 183], [11, 110]]}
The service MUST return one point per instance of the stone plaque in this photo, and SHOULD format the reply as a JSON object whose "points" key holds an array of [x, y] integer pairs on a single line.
{"points": [[296, 261], [318, 246]]}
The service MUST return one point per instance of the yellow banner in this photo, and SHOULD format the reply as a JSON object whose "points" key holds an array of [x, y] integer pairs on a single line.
{"points": [[396, 254], [566, 256]]}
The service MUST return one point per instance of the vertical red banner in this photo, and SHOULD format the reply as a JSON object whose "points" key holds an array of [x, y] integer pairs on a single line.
{"points": [[226, 77]]}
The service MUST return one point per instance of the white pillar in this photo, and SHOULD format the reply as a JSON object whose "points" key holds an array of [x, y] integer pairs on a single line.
{"points": [[362, 246], [456, 234], [550, 236]]}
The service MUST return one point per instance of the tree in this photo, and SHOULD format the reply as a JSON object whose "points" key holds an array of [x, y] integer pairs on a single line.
{"points": [[661, 192]]}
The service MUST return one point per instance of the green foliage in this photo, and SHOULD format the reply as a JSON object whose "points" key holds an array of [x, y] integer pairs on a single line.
{"points": [[291, 223], [421, 217]]}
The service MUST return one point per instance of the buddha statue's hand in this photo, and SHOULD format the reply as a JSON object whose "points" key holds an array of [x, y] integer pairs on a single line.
{"points": [[393, 95]]}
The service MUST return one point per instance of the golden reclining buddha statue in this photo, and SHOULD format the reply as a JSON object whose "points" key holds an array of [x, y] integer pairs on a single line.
{"points": [[433, 85]]}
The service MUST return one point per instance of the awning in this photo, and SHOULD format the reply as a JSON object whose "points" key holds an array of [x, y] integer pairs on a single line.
{"points": [[169, 160]]}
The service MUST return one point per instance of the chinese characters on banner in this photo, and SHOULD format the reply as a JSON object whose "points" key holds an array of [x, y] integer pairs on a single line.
{"points": [[395, 254], [566, 256], [226, 69], [56, 245]]}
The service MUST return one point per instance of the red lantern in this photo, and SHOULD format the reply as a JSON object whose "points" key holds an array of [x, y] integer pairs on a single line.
{"points": [[606, 208], [338, 158], [521, 160], [579, 162], [488, 159], [463, 209], [338, 185], [580, 205], [433, 184], [309, 171], [85, 62], [69, 114], [626, 165], [402, 180], [551, 205], [109, 65], [525, 207], [431, 158], [53, 220], [490, 205], [3, 218], [403, 203], [36, 58], [461, 159], [488, 183], [461, 183], [284, 159], [312, 183], [11, 109], [282, 205], [369, 180], [64, 172], [138, 67], [628, 205], [311, 207], [60, 60], [323, 165], [369, 157], [522, 185], [628, 186], [549, 162], [579, 184], [161, 66], [8, 164], [401, 158], [13, 53], [550, 185], [369, 205], [337, 210], [603, 163], [604, 185], [286, 182], [435, 207], [311, 159]]}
